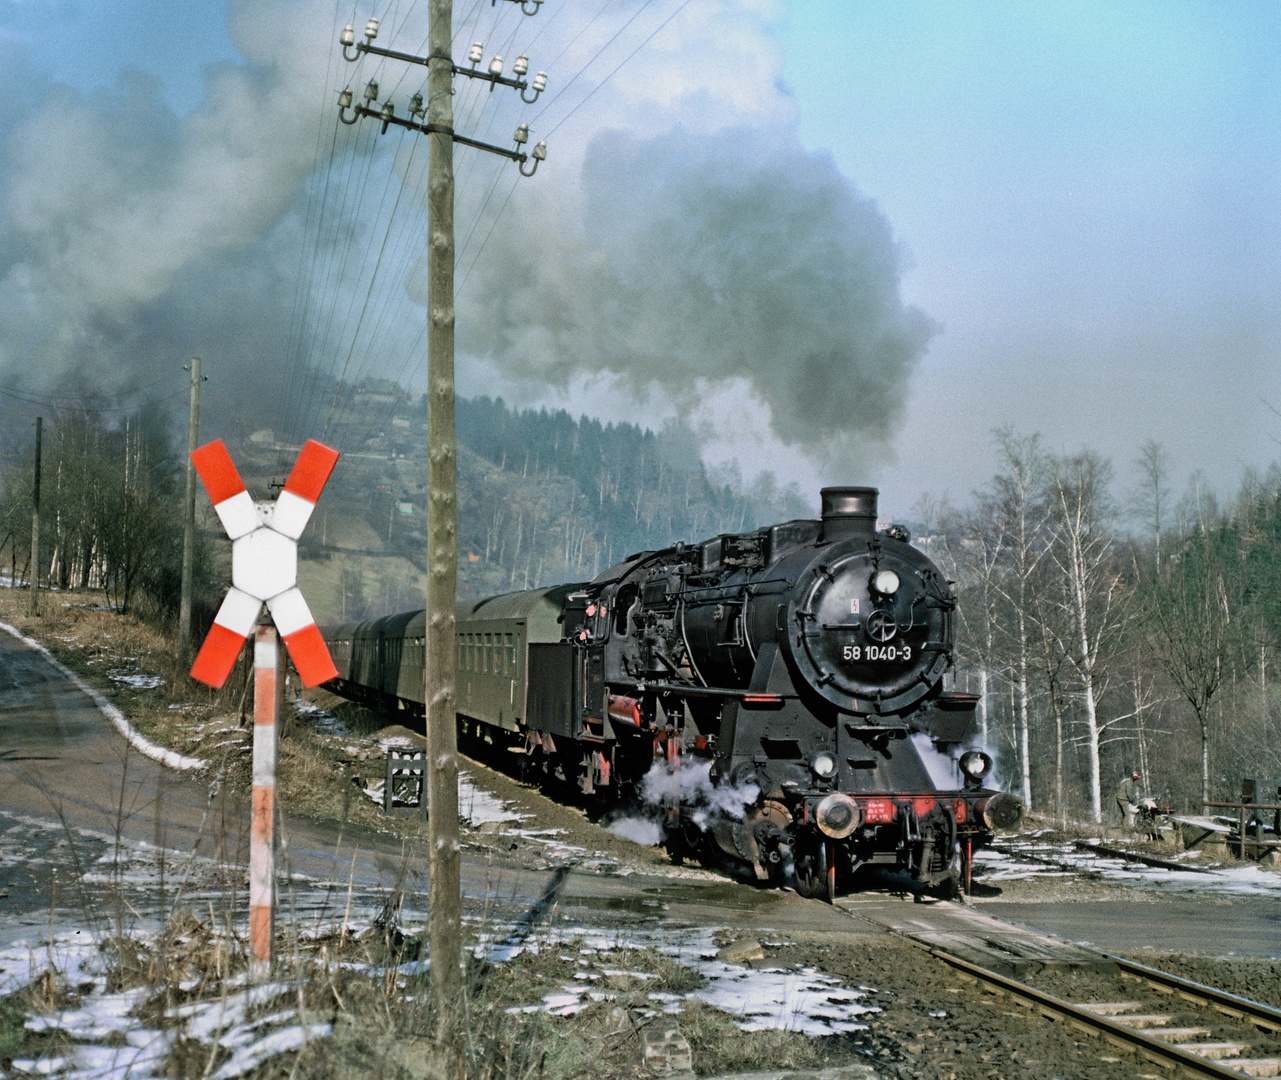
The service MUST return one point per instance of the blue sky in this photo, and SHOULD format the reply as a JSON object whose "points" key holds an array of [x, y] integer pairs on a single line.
{"points": [[1091, 194], [1087, 195]]}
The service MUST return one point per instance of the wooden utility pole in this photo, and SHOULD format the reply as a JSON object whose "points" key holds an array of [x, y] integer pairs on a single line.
{"points": [[189, 518], [440, 775], [35, 522]]}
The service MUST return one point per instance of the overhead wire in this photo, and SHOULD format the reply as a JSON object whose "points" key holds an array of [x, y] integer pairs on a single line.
{"points": [[337, 258], [479, 217], [619, 67], [355, 361], [60, 402], [373, 343], [305, 342], [303, 290], [600, 52], [408, 230], [579, 105], [373, 277]]}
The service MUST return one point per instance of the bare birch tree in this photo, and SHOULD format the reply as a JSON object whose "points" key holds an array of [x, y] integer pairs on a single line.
{"points": [[1197, 623], [1096, 593], [1018, 511], [1151, 498]]}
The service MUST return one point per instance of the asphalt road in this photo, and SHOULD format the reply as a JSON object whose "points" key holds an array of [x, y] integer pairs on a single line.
{"points": [[1248, 926]]}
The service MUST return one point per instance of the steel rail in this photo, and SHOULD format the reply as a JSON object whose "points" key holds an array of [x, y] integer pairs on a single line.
{"points": [[1262, 1016], [1158, 1049]]}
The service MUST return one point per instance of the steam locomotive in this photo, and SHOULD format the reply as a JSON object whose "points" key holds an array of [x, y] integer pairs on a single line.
{"points": [[781, 690]]}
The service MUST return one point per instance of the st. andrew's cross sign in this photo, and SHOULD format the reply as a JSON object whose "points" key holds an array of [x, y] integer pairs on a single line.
{"points": [[264, 563]]}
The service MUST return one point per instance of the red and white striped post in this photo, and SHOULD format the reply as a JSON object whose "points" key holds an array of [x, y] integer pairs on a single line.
{"points": [[264, 570], [262, 830]]}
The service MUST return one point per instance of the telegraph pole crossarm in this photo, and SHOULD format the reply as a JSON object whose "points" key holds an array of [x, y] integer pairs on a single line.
{"points": [[388, 116], [493, 75]]}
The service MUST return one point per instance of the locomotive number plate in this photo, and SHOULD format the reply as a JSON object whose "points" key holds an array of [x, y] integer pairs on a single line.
{"points": [[877, 652]]}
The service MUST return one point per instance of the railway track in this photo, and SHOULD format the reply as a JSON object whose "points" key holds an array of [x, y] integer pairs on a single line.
{"points": [[1168, 1020], [1183, 1027]]}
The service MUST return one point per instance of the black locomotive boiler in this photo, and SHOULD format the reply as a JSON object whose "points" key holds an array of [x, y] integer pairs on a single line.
{"points": [[787, 682]]}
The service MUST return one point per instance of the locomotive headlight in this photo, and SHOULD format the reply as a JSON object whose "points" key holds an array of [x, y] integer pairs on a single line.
{"points": [[824, 765], [886, 582], [975, 764]]}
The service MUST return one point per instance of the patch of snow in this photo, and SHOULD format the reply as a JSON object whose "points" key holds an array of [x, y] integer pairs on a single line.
{"points": [[278, 1042], [1027, 858], [477, 806], [137, 681]]}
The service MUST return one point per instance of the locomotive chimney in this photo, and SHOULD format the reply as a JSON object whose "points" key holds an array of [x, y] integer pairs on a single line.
{"points": [[848, 512]]}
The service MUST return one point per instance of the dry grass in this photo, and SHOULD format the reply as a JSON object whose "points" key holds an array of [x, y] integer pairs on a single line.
{"points": [[318, 777], [373, 1002]]}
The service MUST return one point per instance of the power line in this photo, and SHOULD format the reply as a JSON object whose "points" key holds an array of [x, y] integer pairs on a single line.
{"points": [[625, 59]]}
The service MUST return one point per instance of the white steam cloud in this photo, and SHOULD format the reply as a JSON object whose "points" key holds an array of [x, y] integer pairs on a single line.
{"points": [[134, 237], [692, 786]]}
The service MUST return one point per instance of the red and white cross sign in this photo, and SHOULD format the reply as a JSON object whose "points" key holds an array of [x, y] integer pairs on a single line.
{"points": [[264, 563]]}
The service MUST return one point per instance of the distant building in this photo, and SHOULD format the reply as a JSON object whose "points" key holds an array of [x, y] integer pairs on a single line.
{"points": [[379, 392]]}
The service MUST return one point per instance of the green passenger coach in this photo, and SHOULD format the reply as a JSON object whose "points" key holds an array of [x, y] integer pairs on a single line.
{"points": [[380, 661], [491, 652]]}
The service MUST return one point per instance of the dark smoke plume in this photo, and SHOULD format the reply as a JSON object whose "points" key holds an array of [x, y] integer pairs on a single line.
{"points": [[694, 261], [132, 238]]}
